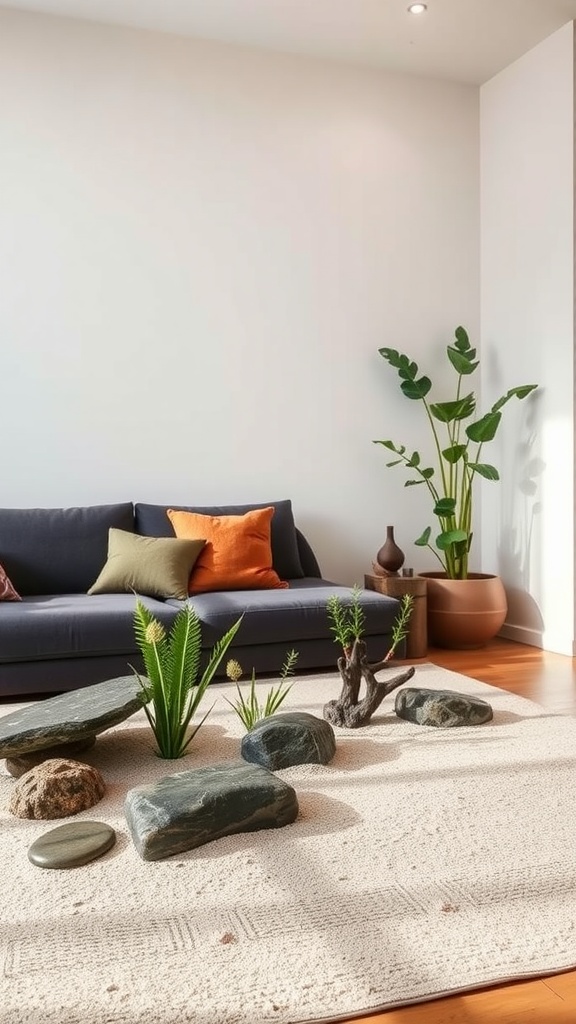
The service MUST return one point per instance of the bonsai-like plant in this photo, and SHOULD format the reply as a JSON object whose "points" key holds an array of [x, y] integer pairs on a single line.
{"points": [[173, 689], [249, 709], [450, 483], [347, 622]]}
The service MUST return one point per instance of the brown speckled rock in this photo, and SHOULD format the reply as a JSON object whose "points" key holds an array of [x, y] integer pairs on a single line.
{"points": [[56, 789]]}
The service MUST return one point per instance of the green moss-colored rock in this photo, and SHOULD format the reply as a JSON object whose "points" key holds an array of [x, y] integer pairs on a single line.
{"points": [[444, 709]]}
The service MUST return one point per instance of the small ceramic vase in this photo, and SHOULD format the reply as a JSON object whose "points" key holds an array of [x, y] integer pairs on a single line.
{"points": [[390, 557]]}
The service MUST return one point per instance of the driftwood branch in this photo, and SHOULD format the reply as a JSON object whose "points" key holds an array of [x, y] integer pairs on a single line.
{"points": [[348, 710]]}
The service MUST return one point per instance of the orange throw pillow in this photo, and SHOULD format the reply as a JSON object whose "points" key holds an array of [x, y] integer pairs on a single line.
{"points": [[237, 554]]}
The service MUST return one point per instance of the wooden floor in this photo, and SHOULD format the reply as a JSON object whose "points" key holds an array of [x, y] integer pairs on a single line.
{"points": [[549, 679]]}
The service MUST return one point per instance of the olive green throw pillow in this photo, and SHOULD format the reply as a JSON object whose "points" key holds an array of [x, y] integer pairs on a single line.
{"points": [[155, 566]]}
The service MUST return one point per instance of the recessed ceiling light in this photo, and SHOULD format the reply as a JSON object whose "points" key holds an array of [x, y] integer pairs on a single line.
{"points": [[417, 8]]}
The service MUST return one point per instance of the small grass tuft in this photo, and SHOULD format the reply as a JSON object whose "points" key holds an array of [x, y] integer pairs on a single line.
{"points": [[248, 708]]}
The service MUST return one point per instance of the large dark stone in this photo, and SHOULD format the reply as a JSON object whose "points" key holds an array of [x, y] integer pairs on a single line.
{"points": [[70, 716], [191, 808], [292, 738], [444, 709], [69, 846]]}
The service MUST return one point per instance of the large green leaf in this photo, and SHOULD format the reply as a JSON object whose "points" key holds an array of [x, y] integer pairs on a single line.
{"points": [[424, 539], [483, 469], [462, 363], [407, 369], [445, 540], [416, 389], [462, 340], [445, 507], [391, 355], [447, 412], [485, 428], [453, 454]]}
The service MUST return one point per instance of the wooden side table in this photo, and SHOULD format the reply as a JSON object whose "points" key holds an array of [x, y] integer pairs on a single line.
{"points": [[398, 586]]}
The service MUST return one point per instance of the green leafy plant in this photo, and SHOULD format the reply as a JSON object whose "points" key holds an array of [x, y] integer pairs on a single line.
{"points": [[450, 482], [347, 621], [249, 709], [401, 624], [173, 686]]}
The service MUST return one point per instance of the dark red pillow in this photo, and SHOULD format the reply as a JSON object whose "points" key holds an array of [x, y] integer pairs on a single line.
{"points": [[7, 589]]}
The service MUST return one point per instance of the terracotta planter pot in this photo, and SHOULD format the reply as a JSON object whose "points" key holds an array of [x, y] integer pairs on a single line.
{"points": [[464, 614]]}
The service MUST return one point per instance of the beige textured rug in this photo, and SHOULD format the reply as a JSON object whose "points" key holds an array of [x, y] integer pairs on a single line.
{"points": [[423, 862]]}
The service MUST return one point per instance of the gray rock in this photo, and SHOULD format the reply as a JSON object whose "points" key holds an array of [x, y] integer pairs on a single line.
{"points": [[292, 738], [17, 765], [191, 808], [71, 845], [70, 716], [56, 789], [444, 709]]}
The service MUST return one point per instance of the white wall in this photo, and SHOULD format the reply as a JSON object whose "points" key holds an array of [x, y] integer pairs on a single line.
{"points": [[201, 249], [527, 312]]}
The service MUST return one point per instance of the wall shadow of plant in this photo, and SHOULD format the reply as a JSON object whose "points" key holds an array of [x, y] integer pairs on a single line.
{"points": [[517, 535]]}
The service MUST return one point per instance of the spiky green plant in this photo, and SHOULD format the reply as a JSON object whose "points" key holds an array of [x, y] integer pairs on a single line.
{"points": [[248, 708], [172, 687], [346, 621]]}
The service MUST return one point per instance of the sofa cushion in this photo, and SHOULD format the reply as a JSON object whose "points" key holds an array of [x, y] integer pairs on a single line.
{"points": [[286, 616], [58, 550], [73, 626], [152, 521], [237, 555], [157, 566], [7, 589]]}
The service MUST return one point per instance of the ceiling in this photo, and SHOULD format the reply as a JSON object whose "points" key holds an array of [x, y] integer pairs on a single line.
{"points": [[463, 40]]}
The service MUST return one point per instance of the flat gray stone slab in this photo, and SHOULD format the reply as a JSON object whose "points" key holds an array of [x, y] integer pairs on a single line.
{"points": [[444, 709], [291, 738], [17, 765], [72, 845], [191, 808], [70, 716]]}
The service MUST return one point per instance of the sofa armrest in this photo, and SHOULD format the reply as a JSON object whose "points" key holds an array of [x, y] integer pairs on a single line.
{"points": [[307, 556]]}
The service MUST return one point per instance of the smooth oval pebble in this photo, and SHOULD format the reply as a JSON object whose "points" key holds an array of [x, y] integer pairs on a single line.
{"points": [[69, 846]]}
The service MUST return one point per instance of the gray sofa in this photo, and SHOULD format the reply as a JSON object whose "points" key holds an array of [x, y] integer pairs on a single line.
{"points": [[60, 638]]}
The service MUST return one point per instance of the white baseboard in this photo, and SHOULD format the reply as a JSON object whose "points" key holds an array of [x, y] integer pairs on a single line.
{"points": [[521, 635]]}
